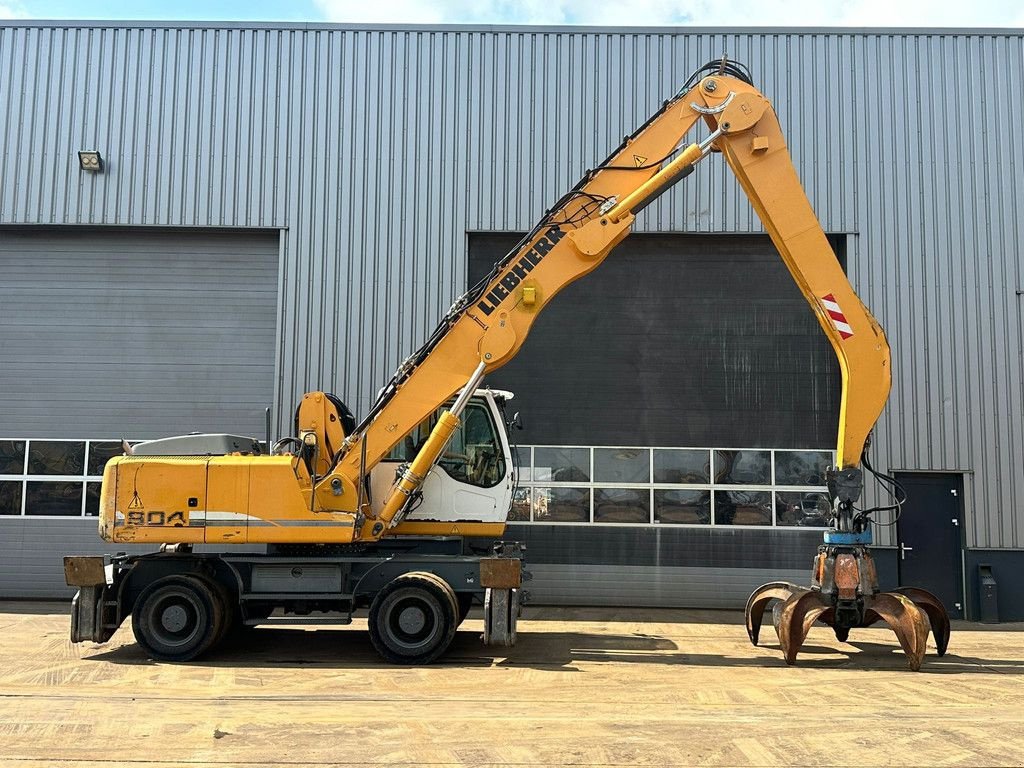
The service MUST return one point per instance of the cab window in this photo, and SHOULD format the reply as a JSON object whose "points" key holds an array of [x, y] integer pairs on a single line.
{"points": [[472, 456]]}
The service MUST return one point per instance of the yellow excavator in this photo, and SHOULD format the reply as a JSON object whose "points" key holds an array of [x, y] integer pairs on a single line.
{"points": [[376, 513]]}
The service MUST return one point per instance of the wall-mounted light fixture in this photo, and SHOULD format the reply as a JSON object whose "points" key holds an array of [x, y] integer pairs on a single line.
{"points": [[90, 160]]}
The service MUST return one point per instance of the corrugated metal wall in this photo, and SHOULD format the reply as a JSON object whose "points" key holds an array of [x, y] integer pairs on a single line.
{"points": [[142, 333], [378, 149]]}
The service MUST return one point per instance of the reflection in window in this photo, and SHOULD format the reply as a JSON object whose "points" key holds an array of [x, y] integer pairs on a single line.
{"points": [[92, 499], [561, 465], [801, 467], [743, 467], [56, 457], [682, 466], [12, 457], [811, 509], [622, 505], [520, 511], [682, 507], [100, 453], [622, 465], [53, 498], [743, 508], [10, 497], [561, 505]]}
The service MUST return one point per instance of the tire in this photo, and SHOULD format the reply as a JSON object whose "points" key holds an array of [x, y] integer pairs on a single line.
{"points": [[178, 618], [229, 611], [465, 601], [413, 618]]}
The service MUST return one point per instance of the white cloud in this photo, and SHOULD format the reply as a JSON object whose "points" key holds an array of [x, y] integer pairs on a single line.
{"points": [[12, 11], [855, 13]]}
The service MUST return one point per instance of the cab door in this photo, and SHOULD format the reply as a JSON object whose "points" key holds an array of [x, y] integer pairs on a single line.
{"points": [[471, 481]]}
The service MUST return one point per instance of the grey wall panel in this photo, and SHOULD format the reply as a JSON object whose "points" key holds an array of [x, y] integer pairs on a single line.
{"points": [[379, 148], [138, 333], [661, 586], [1006, 565], [678, 546], [32, 551]]}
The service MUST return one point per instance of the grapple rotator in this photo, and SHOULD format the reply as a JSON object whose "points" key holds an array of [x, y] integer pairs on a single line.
{"points": [[844, 591]]}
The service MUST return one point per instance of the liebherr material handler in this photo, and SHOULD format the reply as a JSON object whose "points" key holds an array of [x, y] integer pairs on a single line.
{"points": [[372, 514]]}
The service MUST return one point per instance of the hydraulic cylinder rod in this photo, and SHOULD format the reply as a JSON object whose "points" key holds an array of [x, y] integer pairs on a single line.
{"points": [[412, 477]]}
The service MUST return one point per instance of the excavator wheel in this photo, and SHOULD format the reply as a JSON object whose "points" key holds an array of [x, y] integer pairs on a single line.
{"points": [[413, 618], [232, 619], [178, 618], [465, 601]]}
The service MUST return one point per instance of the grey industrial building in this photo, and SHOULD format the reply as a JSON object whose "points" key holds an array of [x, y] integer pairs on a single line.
{"points": [[287, 207]]}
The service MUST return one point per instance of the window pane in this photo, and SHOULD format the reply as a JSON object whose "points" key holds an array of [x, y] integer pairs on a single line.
{"points": [[92, 499], [60, 498], [622, 465], [743, 508], [520, 511], [522, 454], [743, 467], [473, 455], [561, 505], [622, 505], [682, 466], [100, 454], [12, 457], [561, 465], [682, 507], [800, 508], [10, 497], [801, 467], [56, 457]]}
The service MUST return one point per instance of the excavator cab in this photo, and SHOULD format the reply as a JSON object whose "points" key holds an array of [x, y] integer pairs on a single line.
{"points": [[470, 487]]}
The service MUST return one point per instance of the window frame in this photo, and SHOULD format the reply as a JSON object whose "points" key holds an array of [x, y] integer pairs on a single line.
{"points": [[25, 477], [711, 487]]}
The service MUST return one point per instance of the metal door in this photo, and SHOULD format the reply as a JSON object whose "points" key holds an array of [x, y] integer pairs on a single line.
{"points": [[929, 536]]}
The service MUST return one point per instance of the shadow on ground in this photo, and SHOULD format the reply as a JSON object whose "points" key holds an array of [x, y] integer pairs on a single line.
{"points": [[553, 651]]}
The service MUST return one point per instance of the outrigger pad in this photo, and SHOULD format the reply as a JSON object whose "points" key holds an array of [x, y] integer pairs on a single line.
{"points": [[501, 614]]}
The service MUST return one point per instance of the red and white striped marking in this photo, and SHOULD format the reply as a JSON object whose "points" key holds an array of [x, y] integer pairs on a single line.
{"points": [[838, 318]]}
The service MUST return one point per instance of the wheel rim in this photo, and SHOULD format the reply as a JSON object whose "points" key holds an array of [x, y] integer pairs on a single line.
{"points": [[413, 622], [175, 618]]}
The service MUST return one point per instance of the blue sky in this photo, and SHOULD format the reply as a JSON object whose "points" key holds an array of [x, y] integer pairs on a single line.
{"points": [[855, 13]]}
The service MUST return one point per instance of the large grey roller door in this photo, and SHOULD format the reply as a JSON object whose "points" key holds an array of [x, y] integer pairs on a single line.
{"points": [[116, 332], [110, 332]]}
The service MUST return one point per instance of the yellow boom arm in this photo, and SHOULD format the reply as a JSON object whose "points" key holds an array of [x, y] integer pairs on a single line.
{"points": [[486, 327], [320, 495]]}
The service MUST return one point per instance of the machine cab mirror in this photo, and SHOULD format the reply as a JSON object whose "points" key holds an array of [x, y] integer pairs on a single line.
{"points": [[516, 422]]}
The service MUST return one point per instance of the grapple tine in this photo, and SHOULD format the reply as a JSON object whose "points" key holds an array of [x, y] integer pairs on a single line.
{"points": [[758, 601], [793, 620], [908, 622], [938, 618]]}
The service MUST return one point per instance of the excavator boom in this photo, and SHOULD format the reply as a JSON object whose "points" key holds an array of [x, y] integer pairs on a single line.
{"points": [[487, 326], [321, 491]]}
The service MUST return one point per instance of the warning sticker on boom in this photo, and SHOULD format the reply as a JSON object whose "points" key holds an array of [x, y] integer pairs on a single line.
{"points": [[835, 314], [639, 160]]}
